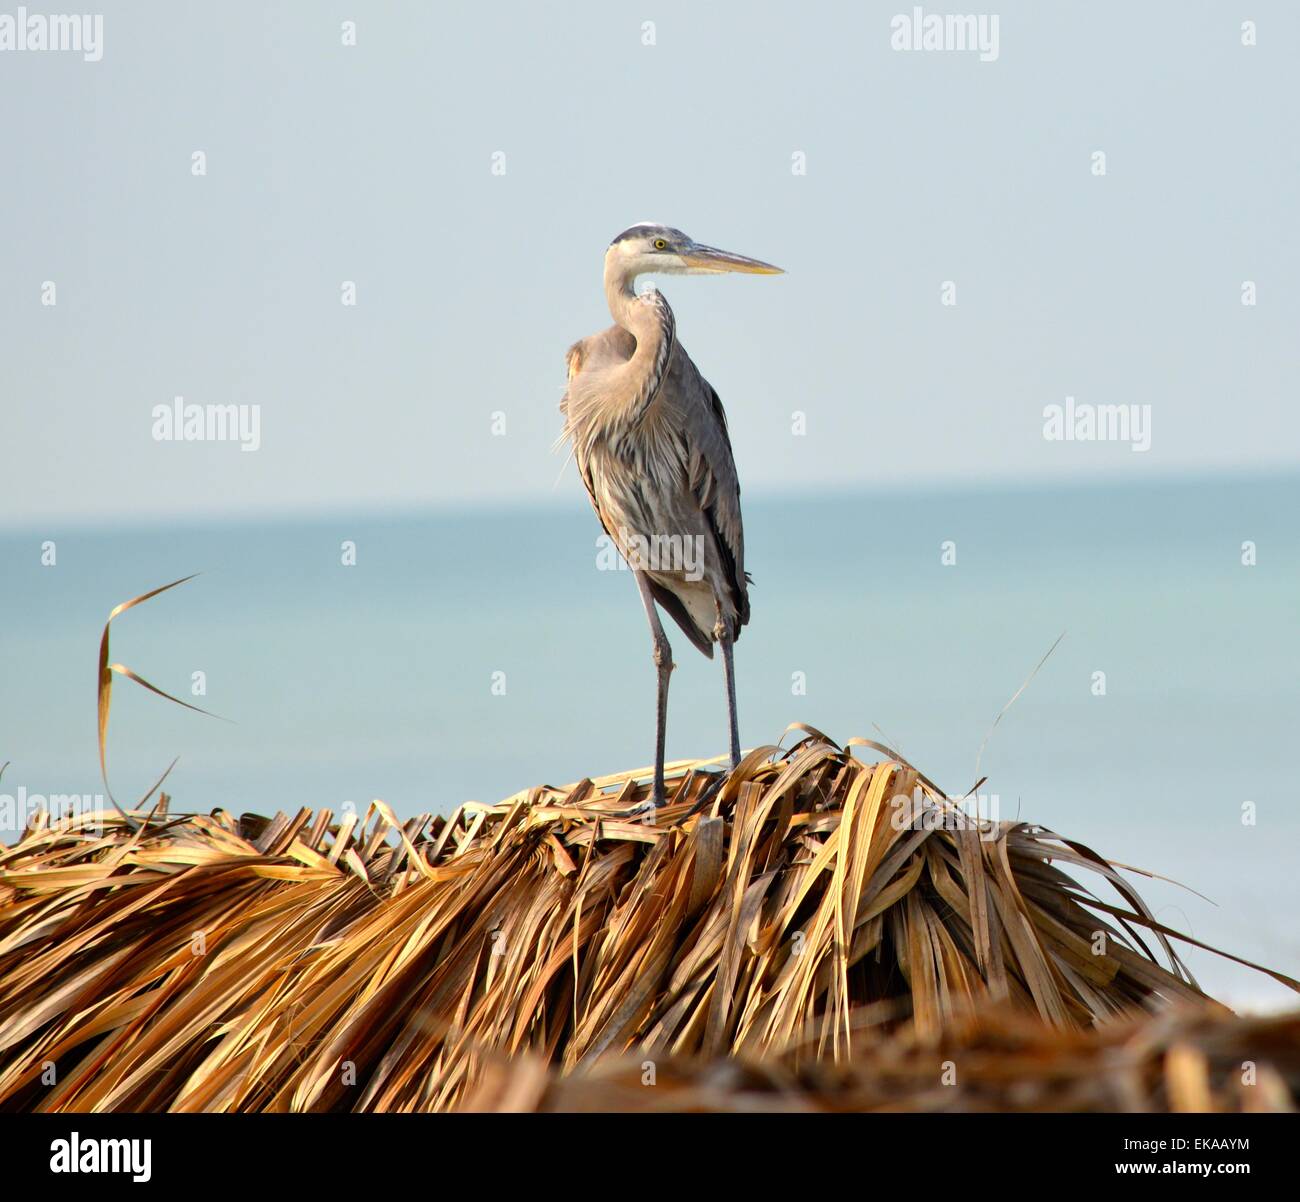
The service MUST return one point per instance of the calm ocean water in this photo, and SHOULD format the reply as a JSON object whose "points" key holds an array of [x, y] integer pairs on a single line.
{"points": [[345, 683]]}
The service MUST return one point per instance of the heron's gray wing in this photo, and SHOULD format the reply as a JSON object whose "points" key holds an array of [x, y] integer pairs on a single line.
{"points": [[711, 472], [724, 512]]}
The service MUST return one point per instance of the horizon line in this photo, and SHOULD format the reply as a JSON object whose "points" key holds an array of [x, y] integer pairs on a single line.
{"points": [[922, 489]]}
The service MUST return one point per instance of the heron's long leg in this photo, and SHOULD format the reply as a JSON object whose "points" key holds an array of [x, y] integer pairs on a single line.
{"points": [[729, 668], [663, 656]]}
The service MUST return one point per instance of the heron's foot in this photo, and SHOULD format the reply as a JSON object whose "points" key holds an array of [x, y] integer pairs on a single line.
{"points": [[645, 812]]}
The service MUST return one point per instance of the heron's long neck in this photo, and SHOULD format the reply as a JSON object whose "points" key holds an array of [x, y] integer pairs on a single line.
{"points": [[650, 321]]}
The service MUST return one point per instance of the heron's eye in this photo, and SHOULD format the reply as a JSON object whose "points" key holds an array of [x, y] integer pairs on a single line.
{"points": [[660, 244]]}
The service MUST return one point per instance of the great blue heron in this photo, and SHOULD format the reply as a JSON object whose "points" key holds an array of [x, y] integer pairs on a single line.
{"points": [[649, 436]]}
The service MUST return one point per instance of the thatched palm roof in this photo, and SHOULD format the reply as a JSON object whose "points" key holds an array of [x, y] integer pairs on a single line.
{"points": [[792, 908]]}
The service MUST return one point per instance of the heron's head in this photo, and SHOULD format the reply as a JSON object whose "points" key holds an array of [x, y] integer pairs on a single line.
{"points": [[649, 249]]}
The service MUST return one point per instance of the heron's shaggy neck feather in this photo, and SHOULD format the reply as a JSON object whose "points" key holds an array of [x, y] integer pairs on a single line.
{"points": [[610, 400], [649, 319]]}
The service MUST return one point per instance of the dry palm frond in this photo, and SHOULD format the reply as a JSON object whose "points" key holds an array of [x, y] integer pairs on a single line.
{"points": [[786, 909], [104, 699], [1187, 1061]]}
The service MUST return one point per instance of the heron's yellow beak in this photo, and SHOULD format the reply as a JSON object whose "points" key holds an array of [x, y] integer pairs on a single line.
{"points": [[710, 258]]}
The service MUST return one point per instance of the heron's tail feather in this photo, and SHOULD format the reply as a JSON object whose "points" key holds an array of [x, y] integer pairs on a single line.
{"points": [[673, 607]]}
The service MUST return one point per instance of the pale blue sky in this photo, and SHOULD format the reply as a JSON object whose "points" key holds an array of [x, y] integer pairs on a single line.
{"points": [[372, 164]]}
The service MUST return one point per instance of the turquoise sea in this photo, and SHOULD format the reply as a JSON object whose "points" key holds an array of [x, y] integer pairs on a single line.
{"points": [[470, 654]]}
